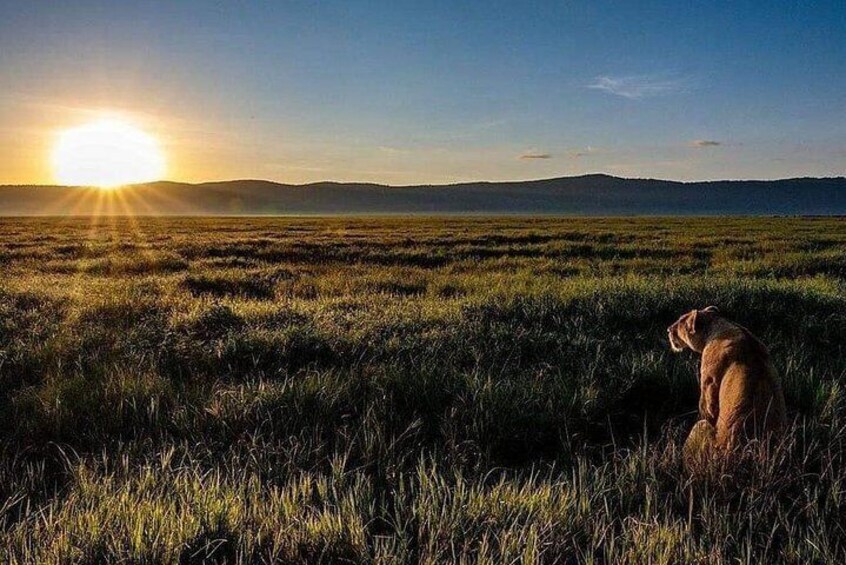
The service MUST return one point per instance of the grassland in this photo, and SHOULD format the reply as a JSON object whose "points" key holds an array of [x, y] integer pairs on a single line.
{"points": [[407, 390]]}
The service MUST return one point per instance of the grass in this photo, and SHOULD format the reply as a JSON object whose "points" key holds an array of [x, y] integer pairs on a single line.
{"points": [[407, 390]]}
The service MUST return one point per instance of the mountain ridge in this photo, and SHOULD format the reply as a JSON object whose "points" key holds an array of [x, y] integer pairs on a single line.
{"points": [[590, 194]]}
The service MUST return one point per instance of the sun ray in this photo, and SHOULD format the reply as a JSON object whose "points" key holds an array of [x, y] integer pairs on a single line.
{"points": [[168, 201], [136, 202], [134, 227]]}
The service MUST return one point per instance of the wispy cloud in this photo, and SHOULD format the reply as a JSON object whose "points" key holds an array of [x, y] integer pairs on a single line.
{"points": [[527, 156], [639, 86], [391, 150], [586, 152], [705, 143]]}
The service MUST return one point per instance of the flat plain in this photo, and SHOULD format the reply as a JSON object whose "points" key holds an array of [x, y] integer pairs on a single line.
{"points": [[399, 390]]}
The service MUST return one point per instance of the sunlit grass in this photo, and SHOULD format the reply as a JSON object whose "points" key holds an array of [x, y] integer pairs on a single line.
{"points": [[425, 390]]}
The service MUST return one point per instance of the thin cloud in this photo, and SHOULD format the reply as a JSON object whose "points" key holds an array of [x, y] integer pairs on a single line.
{"points": [[527, 156], [635, 87], [390, 150], [705, 143], [586, 152]]}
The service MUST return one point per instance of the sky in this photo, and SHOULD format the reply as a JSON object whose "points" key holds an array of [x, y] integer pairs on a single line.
{"points": [[407, 92]]}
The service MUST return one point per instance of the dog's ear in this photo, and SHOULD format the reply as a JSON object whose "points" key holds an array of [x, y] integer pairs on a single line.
{"points": [[690, 322], [712, 309]]}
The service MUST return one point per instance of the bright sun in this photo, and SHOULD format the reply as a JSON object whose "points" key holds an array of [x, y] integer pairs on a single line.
{"points": [[107, 153]]}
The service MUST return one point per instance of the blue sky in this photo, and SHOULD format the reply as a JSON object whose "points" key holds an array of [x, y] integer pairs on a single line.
{"points": [[407, 92]]}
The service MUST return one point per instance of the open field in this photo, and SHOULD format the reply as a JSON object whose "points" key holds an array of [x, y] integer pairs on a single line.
{"points": [[407, 390]]}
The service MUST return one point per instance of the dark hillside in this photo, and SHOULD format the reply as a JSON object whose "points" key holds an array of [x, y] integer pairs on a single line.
{"points": [[583, 195]]}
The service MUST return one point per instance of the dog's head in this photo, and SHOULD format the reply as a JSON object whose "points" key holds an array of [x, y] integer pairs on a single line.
{"points": [[688, 331]]}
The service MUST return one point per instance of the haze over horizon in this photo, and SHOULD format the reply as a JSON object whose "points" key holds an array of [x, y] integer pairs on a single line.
{"points": [[298, 92]]}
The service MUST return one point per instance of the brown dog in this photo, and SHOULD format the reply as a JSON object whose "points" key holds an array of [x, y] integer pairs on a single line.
{"points": [[740, 394]]}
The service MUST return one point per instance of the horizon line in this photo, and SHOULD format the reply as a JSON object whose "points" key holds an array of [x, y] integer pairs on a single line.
{"points": [[450, 184]]}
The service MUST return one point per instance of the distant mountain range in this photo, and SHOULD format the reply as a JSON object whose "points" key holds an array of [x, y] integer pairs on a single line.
{"points": [[581, 195]]}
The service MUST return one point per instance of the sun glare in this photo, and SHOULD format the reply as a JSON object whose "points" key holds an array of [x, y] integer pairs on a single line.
{"points": [[107, 153]]}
